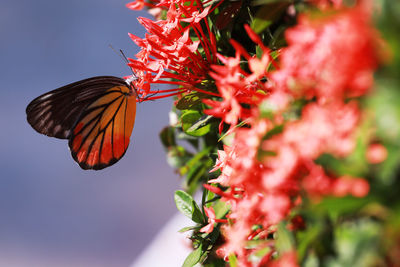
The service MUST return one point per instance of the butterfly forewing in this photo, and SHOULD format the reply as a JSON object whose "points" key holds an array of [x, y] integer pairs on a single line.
{"points": [[101, 135], [56, 112]]}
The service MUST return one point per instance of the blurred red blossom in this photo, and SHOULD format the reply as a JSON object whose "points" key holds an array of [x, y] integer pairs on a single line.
{"points": [[339, 51], [345, 185], [376, 153], [328, 60]]}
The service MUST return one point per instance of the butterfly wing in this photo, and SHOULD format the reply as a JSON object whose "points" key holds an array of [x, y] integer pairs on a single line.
{"points": [[101, 135], [96, 115], [56, 112]]}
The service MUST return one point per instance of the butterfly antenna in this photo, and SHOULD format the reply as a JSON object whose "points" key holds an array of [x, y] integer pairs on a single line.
{"points": [[127, 61], [122, 55]]}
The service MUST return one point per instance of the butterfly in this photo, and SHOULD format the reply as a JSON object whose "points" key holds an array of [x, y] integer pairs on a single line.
{"points": [[96, 115]]}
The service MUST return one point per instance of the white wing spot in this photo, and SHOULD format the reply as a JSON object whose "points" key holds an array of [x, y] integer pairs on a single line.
{"points": [[46, 96]]}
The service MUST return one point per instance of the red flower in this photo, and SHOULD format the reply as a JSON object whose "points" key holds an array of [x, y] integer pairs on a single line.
{"points": [[137, 5], [339, 52], [317, 184], [224, 157], [267, 172], [324, 129], [212, 219], [376, 153], [346, 185], [236, 86]]}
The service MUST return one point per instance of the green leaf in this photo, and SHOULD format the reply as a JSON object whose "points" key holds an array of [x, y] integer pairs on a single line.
{"points": [[240, 124], [201, 127], [177, 156], [260, 253], [259, 51], [188, 228], [357, 243], [194, 160], [306, 238], [276, 130], [167, 136], [353, 165], [285, 240], [194, 123], [195, 174], [233, 260], [221, 208], [344, 205], [193, 258], [259, 24], [311, 260], [190, 101], [185, 204], [267, 15], [385, 104], [274, 54]]}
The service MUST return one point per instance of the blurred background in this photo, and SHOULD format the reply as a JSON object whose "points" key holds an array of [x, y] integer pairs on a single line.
{"points": [[52, 213]]}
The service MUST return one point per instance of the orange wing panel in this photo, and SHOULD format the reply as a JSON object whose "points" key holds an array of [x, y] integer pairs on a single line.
{"points": [[101, 135]]}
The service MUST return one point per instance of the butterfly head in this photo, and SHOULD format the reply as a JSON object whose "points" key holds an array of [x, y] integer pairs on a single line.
{"points": [[129, 81]]}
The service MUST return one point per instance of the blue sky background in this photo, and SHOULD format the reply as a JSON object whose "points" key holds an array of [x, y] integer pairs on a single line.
{"points": [[52, 213]]}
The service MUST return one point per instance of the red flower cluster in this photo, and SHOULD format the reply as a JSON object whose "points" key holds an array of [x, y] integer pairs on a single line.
{"points": [[328, 64], [236, 86], [328, 60], [335, 50], [168, 55]]}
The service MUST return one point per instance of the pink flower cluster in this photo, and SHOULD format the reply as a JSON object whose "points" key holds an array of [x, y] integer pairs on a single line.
{"points": [[328, 60]]}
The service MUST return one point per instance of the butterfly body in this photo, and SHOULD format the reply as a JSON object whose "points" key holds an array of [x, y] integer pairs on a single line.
{"points": [[96, 115]]}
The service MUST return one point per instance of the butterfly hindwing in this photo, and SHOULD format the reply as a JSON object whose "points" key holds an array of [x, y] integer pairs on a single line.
{"points": [[101, 135]]}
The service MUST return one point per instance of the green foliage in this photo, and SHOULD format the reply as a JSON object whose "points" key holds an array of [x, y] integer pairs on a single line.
{"points": [[356, 243], [194, 123], [194, 257], [185, 204], [268, 13], [191, 101], [284, 240]]}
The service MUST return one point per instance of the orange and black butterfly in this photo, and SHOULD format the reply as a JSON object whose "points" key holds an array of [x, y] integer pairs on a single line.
{"points": [[96, 115]]}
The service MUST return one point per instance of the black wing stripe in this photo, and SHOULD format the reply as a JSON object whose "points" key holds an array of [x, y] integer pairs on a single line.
{"points": [[98, 116], [126, 109], [101, 144], [84, 139]]}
